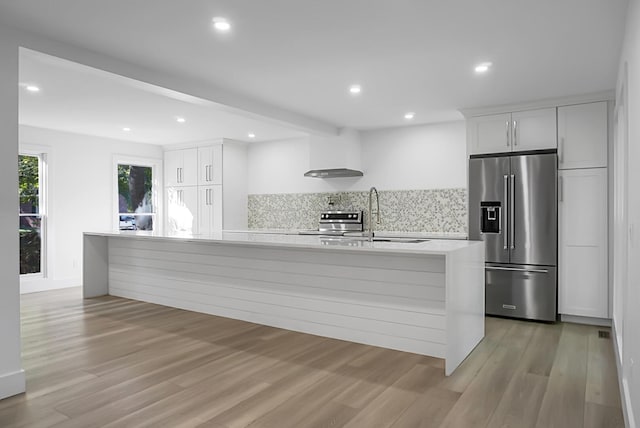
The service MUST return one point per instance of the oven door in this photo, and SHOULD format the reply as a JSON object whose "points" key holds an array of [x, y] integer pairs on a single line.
{"points": [[521, 291]]}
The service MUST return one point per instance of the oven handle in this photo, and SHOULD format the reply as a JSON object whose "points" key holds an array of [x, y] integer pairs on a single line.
{"points": [[517, 269]]}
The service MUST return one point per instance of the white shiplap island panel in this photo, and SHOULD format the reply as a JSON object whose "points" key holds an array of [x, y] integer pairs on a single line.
{"points": [[426, 298]]}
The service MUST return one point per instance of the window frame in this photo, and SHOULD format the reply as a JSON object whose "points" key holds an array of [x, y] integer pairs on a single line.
{"points": [[43, 155], [156, 188]]}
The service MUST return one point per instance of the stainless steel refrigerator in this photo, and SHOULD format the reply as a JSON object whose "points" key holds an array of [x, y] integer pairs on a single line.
{"points": [[513, 209]]}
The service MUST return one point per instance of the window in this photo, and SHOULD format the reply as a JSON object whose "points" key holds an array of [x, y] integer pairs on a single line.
{"points": [[136, 208], [32, 221]]}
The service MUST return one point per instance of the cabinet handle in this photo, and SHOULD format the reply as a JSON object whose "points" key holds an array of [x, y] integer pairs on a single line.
{"points": [[515, 132], [561, 150], [181, 176], [507, 131]]}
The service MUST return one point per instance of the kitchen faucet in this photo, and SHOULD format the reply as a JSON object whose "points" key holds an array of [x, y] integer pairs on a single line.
{"points": [[371, 191]]}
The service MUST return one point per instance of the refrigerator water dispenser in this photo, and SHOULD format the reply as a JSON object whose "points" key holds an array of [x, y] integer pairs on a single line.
{"points": [[490, 217]]}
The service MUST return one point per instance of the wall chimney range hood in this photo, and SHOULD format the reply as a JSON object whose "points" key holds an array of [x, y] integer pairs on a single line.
{"points": [[333, 173], [335, 156]]}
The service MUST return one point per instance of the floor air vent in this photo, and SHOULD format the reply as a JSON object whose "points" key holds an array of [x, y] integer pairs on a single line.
{"points": [[603, 334]]}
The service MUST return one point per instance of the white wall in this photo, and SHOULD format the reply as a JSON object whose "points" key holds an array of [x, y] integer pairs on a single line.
{"points": [[12, 379], [80, 194], [416, 157], [627, 291]]}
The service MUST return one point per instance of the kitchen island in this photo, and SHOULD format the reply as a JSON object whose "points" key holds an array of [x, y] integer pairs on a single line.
{"points": [[424, 297]]}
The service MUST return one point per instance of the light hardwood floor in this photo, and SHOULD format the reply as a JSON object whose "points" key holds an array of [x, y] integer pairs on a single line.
{"points": [[120, 363]]}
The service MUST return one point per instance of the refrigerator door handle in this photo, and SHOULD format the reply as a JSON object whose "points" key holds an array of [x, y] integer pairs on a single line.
{"points": [[504, 217], [517, 269], [511, 212], [560, 189]]}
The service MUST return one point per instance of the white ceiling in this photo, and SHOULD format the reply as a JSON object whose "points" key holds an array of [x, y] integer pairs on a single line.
{"points": [[80, 99], [301, 55]]}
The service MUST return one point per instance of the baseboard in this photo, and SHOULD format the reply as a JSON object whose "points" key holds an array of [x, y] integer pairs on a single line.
{"points": [[36, 285], [625, 396], [602, 322], [12, 384]]}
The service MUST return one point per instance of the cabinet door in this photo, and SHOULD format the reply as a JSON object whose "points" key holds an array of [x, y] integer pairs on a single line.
{"points": [[534, 129], [205, 163], [172, 165], [210, 209], [182, 210], [489, 134], [582, 241], [189, 167], [582, 135], [210, 165], [216, 164]]}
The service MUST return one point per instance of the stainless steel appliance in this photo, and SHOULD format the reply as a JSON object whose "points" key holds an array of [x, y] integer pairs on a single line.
{"points": [[513, 209], [336, 223]]}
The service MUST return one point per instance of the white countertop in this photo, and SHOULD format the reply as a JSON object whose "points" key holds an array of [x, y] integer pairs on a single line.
{"points": [[436, 246]]}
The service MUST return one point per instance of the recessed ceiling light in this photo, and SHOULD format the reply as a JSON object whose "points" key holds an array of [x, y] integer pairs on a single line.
{"points": [[483, 67], [409, 115], [221, 24], [355, 89], [251, 135], [181, 119], [32, 88], [126, 129]]}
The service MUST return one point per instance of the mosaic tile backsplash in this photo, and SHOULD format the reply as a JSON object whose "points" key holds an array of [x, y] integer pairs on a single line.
{"points": [[433, 210]]}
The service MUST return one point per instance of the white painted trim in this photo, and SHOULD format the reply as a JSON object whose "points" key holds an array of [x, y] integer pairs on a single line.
{"points": [[193, 144], [546, 103], [12, 384], [625, 395], [603, 322]]}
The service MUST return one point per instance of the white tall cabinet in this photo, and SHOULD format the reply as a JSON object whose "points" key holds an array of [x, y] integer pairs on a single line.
{"points": [[583, 279], [200, 191]]}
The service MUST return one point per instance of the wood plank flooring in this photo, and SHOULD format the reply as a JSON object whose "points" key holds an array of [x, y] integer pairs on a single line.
{"points": [[121, 363]]}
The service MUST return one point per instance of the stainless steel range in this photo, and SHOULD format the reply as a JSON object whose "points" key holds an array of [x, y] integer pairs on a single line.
{"points": [[337, 223]]}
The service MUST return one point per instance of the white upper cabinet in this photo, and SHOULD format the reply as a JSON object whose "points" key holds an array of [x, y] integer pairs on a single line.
{"points": [[518, 131], [490, 134], [582, 254], [582, 136], [181, 167], [534, 129], [210, 165]]}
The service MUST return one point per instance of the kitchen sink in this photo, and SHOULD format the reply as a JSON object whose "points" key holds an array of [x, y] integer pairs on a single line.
{"points": [[403, 240], [339, 239]]}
